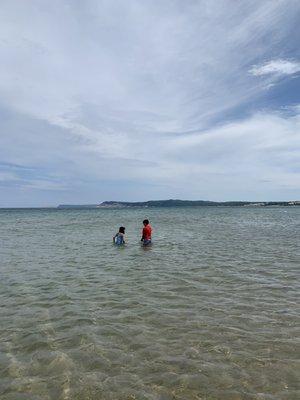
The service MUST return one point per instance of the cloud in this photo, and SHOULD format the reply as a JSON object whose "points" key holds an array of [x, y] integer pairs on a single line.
{"points": [[39, 184], [6, 176], [134, 59], [26, 178], [132, 99], [256, 158], [276, 67]]}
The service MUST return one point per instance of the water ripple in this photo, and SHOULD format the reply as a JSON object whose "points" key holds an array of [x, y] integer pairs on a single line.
{"points": [[211, 311]]}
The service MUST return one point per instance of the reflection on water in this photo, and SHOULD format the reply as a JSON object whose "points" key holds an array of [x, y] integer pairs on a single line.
{"points": [[209, 311]]}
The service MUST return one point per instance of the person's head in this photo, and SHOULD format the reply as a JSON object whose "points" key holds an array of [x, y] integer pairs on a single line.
{"points": [[146, 222], [122, 229]]}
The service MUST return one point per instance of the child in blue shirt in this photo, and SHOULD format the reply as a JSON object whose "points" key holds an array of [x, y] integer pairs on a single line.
{"points": [[119, 238]]}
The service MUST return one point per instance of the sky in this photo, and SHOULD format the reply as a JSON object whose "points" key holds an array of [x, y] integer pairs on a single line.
{"points": [[139, 100]]}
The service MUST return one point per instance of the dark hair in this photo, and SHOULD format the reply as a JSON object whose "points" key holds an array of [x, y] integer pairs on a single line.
{"points": [[146, 221], [122, 229]]}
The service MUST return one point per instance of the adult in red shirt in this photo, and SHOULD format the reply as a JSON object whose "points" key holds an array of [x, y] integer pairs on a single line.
{"points": [[146, 233]]}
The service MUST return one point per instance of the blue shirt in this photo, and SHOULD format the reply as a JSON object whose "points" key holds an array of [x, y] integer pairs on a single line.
{"points": [[119, 239]]}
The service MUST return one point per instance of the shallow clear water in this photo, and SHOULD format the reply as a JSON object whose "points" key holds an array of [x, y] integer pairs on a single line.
{"points": [[210, 311]]}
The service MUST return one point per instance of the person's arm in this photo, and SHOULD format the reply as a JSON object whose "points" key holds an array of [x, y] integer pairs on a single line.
{"points": [[142, 238], [114, 238]]}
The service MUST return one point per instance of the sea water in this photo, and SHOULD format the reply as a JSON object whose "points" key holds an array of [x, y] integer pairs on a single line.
{"points": [[209, 311]]}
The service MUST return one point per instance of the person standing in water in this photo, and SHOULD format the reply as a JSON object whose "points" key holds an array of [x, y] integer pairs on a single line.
{"points": [[119, 238], [146, 233]]}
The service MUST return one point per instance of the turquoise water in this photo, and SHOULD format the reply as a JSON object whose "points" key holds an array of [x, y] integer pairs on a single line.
{"points": [[210, 311]]}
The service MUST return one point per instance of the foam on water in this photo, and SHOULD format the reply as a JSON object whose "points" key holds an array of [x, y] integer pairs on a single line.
{"points": [[210, 311]]}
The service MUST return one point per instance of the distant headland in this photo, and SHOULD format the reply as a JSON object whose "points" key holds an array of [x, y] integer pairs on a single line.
{"points": [[179, 203]]}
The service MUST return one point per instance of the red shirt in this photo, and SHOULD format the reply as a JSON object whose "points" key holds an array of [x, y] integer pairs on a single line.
{"points": [[147, 232]]}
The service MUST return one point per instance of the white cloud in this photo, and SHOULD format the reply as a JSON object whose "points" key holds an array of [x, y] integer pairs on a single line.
{"points": [[40, 184], [8, 176], [263, 148], [255, 158], [276, 67], [175, 62], [113, 92]]}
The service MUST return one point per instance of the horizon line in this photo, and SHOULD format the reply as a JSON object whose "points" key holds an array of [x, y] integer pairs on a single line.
{"points": [[145, 201]]}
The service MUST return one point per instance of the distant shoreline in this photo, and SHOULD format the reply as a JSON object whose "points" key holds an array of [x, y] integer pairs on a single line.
{"points": [[178, 204], [161, 204]]}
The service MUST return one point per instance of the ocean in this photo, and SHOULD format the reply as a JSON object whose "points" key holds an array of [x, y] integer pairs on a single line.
{"points": [[209, 311]]}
